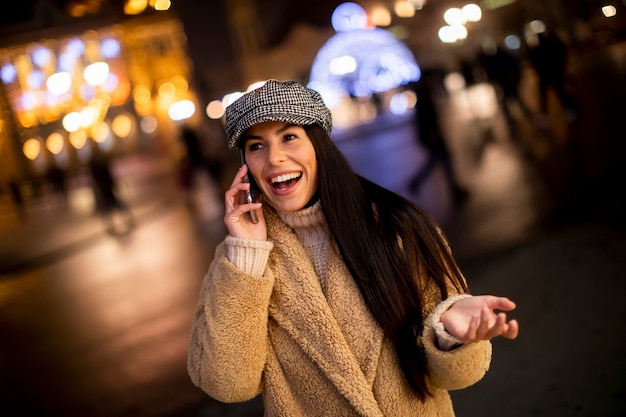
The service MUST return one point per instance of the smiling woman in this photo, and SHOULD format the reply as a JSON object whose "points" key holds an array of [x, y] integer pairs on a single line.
{"points": [[281, 158], [343, 298]]}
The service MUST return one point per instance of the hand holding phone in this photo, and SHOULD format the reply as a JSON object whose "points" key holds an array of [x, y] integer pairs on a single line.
{"points": [[249, 195]]}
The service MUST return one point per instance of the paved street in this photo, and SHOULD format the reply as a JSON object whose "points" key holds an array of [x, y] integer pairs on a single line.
{"points": [[97, 325]]}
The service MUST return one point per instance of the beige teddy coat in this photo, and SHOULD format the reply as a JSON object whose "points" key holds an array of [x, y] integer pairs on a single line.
{"points": [[311, 354]]}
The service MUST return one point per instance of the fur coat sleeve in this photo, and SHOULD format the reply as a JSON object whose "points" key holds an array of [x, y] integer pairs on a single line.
{"points": [[227, 352]]}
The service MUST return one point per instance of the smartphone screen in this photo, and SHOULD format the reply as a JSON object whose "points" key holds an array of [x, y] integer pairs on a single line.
{"points": [[250, 191]]}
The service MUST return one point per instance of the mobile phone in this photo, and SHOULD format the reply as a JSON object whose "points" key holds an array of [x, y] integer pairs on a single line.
{"points": [[249, 192]]}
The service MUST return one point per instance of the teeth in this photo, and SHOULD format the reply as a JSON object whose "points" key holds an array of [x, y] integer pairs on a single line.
{"points": [[286, 177]]}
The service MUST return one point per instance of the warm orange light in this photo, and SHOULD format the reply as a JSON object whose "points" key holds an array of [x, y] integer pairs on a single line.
{"points": [[181, 84], [121, 92], [55, 143], [162, 5], [31, 148], [122, 125], [167, 90], [135, 6], [142, 95], [78, 139], [101, 132], [380, 16], [27, 118], [403, 9]]}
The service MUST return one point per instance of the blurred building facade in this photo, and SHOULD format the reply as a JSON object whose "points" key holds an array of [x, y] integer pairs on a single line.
{"points": [[116, 80]]}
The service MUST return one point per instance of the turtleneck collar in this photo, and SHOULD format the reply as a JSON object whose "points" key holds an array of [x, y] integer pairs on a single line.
{"points": [[307, 217]]}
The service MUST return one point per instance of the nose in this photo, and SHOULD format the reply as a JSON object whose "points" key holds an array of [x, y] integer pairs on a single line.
{"points": [[275, 155]]}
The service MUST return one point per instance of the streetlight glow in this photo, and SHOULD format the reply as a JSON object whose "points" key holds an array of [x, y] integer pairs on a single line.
{"points": [[472, 12], [454, 16]]}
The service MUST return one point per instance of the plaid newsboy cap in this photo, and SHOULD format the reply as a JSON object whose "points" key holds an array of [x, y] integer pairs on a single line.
{"points": [[276, 101]]}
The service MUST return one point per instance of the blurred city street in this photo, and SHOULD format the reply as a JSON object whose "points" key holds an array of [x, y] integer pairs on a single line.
{"points": [[96, 324]]}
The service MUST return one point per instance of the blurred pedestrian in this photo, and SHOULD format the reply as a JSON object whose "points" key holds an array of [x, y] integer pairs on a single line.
{"points": [[56, 178], [467, 68], [17, 197], [342, 298], [196, 168], [109, 203], [193, 147], [503, 70], [430, 136], [547, 54]]}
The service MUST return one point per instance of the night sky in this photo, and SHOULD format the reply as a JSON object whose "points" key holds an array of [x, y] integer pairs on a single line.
{"points": [[206, 26]]}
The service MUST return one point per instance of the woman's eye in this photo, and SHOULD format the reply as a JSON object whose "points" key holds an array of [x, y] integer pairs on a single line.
{"points": [[254, 146], [289, 136]]}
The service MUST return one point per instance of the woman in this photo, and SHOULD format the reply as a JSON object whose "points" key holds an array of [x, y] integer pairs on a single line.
{"points": [[343, 299]]}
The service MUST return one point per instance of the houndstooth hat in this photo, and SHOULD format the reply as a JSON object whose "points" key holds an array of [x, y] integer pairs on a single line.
{"points": [[276, 101]]}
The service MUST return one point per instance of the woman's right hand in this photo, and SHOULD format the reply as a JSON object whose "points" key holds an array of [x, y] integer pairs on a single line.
{"points": [[236, 214]]}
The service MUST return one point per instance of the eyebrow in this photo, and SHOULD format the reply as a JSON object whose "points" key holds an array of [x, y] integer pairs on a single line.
{"points": [[282, 129]]}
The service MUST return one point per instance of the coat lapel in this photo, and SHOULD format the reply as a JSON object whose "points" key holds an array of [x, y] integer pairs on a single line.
{"points": [[337, 331]]}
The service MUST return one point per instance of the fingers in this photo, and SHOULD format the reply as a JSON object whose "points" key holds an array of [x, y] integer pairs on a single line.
{"points": [[472, 329], [500, 303], [477, 318], [236, 204], [243, 170], [235, 193], [234, 199], [512, 330], [489, 325]]}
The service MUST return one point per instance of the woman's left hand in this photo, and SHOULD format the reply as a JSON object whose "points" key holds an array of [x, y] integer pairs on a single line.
{"points": [[473, 319]]}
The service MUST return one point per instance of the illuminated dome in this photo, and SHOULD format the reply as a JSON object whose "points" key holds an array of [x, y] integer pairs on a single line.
{"points": [[360, 62]]}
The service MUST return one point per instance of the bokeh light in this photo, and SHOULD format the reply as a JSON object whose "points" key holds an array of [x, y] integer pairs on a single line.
{"points": [[215, 109], [609, 11], [472, 12], [31, 148], [55, 143], [348, 16], [78, 138], [71, 121], [96, 74], [59, 83], [122, 125], [149, 124], [181, 110]]}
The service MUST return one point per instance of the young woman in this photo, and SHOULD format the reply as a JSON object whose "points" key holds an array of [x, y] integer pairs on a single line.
{"points": [[343, 299]]}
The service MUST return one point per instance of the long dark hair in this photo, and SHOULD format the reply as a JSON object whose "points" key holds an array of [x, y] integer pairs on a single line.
{"points": [[388, 244]]}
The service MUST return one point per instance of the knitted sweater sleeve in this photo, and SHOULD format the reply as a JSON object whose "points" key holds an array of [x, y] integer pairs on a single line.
{"points": [[228, 345], [444, 340], [248, 255]]}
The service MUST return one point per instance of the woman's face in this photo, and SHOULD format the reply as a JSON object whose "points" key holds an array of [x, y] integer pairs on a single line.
{"points": [[281, 158]]}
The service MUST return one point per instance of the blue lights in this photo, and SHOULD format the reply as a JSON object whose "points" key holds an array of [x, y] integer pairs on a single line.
{"points": [[110, 48], [348, 16], [360, 61], [375, 60], [8, 73]]}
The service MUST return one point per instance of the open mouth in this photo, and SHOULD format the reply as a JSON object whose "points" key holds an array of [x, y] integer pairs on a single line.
{"points": [[282, 182]]}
